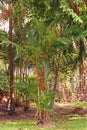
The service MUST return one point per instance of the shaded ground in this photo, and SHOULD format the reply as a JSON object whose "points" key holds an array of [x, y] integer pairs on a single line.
{"points": [[19, 115], [64, 110], [70, 109]]}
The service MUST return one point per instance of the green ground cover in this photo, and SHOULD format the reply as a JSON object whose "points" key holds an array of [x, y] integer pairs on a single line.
{"points": [[73, 122], [22, 125]]}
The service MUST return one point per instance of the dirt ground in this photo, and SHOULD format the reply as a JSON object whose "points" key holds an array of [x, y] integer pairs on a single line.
{"points": [[19, 114], [30, 114]]}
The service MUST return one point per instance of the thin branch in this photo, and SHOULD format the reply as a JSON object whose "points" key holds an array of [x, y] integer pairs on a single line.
{"points": [[74, 7]]}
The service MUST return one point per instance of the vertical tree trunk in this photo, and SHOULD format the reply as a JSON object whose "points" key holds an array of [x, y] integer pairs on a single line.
{"points": [[12, 107], [20, 69], [38, 114], [43, 81], [81, 67], [56, 79], [44, 112], [55, 85]]}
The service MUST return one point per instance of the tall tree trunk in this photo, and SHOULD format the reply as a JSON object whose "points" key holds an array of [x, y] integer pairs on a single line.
{"points": [[56, 79], [44, 112], [43, 81], [81, 67], [20, 69], [38, 114], [12, 107], [55, 85]]}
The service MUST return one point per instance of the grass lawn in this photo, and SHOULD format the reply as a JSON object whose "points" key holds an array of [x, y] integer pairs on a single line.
{"points": [[22, 125], [73, 122]]}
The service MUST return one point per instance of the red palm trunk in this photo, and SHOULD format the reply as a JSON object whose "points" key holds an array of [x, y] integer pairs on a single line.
{"points": [[43, 82], [44, 113]]}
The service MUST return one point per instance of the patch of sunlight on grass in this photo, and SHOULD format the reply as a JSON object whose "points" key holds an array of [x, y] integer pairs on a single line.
{"points": [[81, 104], [74, 124], [18, 125], [63, 104], [22, 125], [77, 117]]}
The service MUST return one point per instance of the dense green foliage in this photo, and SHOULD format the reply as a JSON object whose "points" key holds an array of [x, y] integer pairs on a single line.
{"points": [[49, 36]]}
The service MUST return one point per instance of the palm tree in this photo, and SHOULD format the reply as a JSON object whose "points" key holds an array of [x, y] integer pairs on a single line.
{"points": [[6, 15]]}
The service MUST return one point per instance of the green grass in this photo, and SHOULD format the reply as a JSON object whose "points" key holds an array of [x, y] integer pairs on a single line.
{"points": [[73, 122], [21, 125], [18, 125], [81, 104]]}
